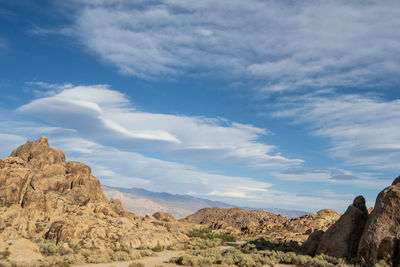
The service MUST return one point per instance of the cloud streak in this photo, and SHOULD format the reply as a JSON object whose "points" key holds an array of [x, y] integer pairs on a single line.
{"points": [[363, 130], [280, 45], [107, 117]]}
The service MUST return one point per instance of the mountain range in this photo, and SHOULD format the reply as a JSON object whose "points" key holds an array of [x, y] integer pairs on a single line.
{"points": [[143, 202]]}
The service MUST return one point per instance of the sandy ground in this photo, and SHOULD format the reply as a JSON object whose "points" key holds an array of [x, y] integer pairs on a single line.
{"points": [[160, 259]]}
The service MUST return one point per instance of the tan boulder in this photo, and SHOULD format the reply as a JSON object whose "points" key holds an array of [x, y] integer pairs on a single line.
{"points": [[342, 238], [380, 240]]}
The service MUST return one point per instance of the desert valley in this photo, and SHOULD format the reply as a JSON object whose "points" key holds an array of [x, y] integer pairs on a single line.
{"points": [[207, 133], [54, 213]]}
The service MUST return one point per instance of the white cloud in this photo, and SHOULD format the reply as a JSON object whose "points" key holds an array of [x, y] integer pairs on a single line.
{"points": [[284, 45], [105, 116], [332, 177], [130, 169], [363, 130]]}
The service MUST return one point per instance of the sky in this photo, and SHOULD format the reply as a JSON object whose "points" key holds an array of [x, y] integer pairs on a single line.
{"points": [[263, 104]]}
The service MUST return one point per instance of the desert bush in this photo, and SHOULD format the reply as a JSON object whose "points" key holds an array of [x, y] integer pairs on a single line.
{"points": [[146, 252], [136, 264], [4, 254], [196, 243], [208, 233], [158, 248], [57, 255], [249, 256], [381, 263], [48, 248], [121, 256]]}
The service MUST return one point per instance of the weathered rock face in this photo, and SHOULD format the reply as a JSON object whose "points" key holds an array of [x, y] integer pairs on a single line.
{"points": [[310, 246], [42, 195], [342, 238], [380, 240]]}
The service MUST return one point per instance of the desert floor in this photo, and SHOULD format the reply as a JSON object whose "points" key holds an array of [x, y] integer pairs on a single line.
{"points": [[160, 259]]}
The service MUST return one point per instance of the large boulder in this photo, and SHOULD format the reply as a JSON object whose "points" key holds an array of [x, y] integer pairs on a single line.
{"points": [[380, 240], [341, 239], [310, 246]]}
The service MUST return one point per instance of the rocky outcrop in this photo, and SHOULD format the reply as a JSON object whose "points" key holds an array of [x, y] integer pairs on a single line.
{"points": [[297, 230], [164, 216], [42, 195], [342, 238], [245, 221], [257, 223], [381, 237]]}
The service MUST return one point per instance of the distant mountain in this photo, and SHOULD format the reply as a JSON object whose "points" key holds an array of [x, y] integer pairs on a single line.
{"points": [[141, 202]]}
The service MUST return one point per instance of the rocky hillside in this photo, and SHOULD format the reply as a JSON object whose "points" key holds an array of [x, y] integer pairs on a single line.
{"points": [[236, 218], [259, 223], [143, 202], [42, 195]]}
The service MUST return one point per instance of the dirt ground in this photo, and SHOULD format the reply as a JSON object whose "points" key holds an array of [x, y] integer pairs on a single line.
{"points": [[161, 259]]}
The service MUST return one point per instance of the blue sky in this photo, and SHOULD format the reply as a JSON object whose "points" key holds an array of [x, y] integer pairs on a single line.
{"points": [[285, 104]]}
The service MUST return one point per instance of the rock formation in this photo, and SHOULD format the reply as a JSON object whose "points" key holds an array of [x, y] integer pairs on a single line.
{"points": [[241, 220], [380, 240], [258, 223], [42, 195], [342, 238], [295, 232]]}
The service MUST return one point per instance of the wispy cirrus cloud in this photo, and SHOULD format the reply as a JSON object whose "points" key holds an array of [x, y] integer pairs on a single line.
{"points": [[131, 169], [107, 117], [332, 176], [363, 130], [282, 45], [123, 166]]}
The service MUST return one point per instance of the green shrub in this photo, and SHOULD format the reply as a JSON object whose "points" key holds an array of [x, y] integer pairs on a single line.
{"points": [[4, 254], [208, 233], [146, 252], [48, 248], [158, 248], [58, 255], [196, 243], [121, 256], [248, 255]]}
